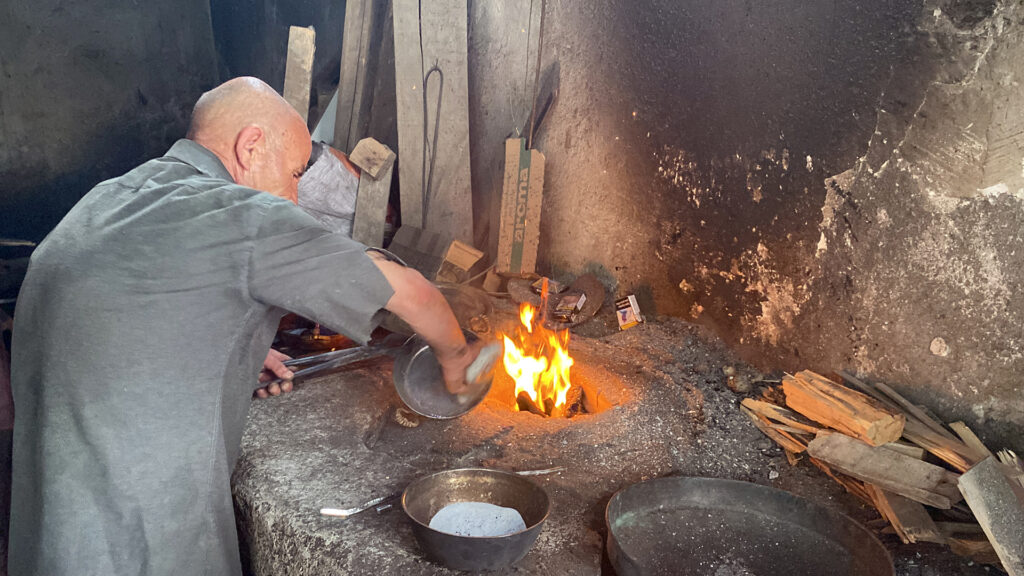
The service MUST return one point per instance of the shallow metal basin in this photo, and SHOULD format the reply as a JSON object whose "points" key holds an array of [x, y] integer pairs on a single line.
{"points": [[426, 496]]}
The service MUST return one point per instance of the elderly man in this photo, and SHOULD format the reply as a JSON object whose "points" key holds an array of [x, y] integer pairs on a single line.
{"points": [[142, 324]]}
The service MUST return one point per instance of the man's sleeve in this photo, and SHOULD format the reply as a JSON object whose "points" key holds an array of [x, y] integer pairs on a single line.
{"points": [[300, 266]]}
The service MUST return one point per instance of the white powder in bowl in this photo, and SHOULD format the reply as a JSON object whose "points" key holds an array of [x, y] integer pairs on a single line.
{"points": [[480, 519]]}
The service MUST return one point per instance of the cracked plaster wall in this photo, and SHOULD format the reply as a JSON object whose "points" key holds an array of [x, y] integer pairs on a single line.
{"points": [[828, 185]]}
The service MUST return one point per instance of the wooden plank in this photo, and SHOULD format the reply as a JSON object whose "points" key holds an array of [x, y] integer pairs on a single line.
{"points": [[999, 511], [448, 207], [947, 450], [298, 71], [842, 408], [910, 519], [971, 440], [372, 209], [914, 411], [420, 249], [952, 451], [906, 449], [909, 477], [360, 47], [953, 528], [372, 157]]}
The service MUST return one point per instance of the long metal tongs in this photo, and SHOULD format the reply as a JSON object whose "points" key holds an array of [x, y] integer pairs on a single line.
{"points": [[346, 512], [338, 358]]}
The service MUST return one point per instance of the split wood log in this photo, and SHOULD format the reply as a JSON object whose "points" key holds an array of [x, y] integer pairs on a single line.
{"points": [[909, 477], [910, 519], [949, 450], [784, 439], [526, 404], [999, 511], [780, 414], [842, 408]]}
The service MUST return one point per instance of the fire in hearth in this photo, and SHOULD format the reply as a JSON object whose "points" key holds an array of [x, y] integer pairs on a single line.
{"points": [[538, 360]]}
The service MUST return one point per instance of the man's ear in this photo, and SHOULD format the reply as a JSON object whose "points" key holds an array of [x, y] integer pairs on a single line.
{"points": [[248, 145]]}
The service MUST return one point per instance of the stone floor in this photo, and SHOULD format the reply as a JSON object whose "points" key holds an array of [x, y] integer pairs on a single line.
{"points": [[333, 442]]}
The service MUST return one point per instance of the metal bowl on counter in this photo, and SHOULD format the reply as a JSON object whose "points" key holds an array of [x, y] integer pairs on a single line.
{"points": [[428, 495]]}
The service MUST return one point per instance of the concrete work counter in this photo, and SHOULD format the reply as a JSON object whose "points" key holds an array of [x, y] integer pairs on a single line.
{"points": [[333, 442]]}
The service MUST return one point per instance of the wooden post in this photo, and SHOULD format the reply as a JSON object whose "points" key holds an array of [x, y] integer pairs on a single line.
{"points": [[298, 71], [359, 47], [376, 162], [443, 23]]}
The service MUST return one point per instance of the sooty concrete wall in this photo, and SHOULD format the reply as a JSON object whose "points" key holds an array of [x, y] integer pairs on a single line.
{"points": [[829, 185], [87, 91]]}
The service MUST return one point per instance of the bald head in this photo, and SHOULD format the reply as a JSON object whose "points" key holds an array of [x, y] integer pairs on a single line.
{"points": [[258, 136]]}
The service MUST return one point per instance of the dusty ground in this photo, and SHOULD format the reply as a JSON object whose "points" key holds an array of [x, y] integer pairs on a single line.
{"points": [[333, 442]]}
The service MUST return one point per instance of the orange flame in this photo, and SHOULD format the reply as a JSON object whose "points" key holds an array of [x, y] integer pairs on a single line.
{"points": [[538, 361]]}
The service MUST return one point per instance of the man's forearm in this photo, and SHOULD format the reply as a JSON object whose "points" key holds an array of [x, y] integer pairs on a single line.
{"points": [[421, 305]]}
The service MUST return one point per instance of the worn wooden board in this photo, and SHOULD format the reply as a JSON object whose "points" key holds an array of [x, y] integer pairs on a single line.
{"points": [[521, 201], [910, 519], [420, 249], [842, 408], [448, 207], [889, 470], [971, 440], [372, 208], [360, 48], [298, 71], [999, 510]]}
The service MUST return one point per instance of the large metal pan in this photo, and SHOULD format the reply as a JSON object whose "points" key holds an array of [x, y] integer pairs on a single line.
{"points": [[679, 526], [425, 497]]}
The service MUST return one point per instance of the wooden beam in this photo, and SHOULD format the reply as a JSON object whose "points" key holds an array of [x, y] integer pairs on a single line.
{"points": [[909, 477], [360, 47], [1000, 512], [298, 71], [372, 208], [447, 207], [842, 408]]}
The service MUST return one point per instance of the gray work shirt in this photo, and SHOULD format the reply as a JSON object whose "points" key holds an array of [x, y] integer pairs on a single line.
{"points": [[140, 330]]}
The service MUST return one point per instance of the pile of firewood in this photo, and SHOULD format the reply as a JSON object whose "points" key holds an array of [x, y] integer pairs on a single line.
{"points": [[900, 458]]}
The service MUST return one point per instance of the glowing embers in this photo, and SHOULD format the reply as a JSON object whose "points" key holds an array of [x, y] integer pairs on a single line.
{"points": [[538, 361]]}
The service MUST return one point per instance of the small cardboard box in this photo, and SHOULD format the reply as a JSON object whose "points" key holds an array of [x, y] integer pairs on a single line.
{"points": [[521, 197]]}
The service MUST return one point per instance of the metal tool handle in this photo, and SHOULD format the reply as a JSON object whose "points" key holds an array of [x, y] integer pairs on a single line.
{"points": [[338, 358]]}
